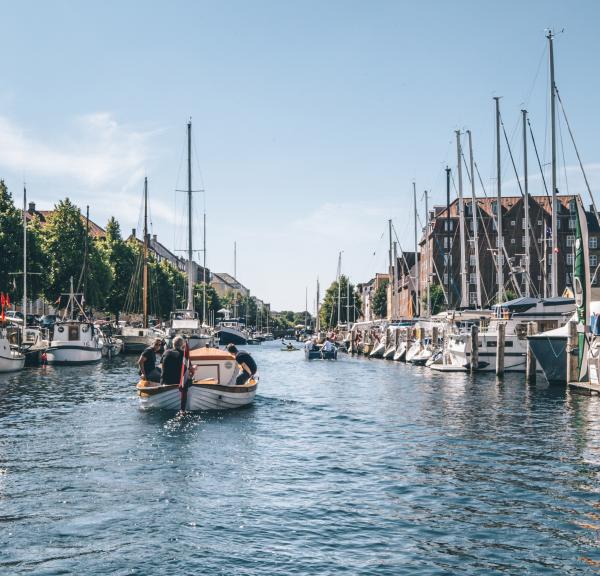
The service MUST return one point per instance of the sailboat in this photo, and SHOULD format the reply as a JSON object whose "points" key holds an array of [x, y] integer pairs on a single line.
{"points": [[186, 322], [137, 338], [11, 360]]}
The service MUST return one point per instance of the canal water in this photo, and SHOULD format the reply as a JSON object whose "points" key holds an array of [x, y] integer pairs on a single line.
{"points": [[350, 467]]}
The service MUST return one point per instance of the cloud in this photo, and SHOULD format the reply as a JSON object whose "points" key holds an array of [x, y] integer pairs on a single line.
{"points": [[99, 152]]}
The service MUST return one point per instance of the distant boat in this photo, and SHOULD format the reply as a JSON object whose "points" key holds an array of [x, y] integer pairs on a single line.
{"points": [[231, 330], [11, 360], [213, 387]]}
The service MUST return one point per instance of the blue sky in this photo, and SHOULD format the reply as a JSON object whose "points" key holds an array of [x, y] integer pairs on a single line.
{"points": [[311, 119]]}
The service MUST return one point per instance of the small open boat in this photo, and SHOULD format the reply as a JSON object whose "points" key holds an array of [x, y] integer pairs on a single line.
{"points": [[290, 349], [213, 386]]}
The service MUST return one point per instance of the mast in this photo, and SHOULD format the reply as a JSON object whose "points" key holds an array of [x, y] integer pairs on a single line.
{"points": [[475, 225], [417, 295], [391, 284], [318, 320], [554, 270], [204, 265], [427, 287], [464, 292], [305, 306], [500, 246], [235, 278], [86, 257], [146, 252], [395, 284], [190, 287], [448, 254], [24, 263], [339, 286], [526, 193]]}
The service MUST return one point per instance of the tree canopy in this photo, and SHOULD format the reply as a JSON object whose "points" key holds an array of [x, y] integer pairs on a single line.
{"points": [[329, 307]]}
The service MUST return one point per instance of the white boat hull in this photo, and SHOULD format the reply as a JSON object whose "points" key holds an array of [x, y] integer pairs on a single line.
{"points": [[199, 397], [11, 363], [73, 354]]}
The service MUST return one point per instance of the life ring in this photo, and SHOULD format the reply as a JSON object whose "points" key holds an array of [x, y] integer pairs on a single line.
{"points": [[61, 328], [85, 328]]}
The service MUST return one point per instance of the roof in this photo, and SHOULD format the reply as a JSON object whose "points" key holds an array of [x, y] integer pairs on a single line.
{"points": [[43, 216]]}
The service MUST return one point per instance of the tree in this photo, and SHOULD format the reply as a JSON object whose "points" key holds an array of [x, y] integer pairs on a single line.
{"points": [[380, 299], [121, 260], [213, 303], [11, 244], [64, 242], [436, 299], [329, 307]]}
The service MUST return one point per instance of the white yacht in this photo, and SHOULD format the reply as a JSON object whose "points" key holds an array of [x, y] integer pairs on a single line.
{"points": [[231, 330], [11, 360]]}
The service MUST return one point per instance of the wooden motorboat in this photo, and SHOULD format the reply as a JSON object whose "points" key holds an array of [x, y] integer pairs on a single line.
{"points": [[213, 385]]}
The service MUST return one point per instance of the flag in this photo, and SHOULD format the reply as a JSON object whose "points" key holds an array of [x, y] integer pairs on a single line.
{"points": [[183, 382]]}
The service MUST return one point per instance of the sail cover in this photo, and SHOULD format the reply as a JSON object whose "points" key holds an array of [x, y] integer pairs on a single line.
{"points": [[581, 278]]}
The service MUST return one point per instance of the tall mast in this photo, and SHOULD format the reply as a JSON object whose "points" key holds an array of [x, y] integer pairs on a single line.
{"points": [[24, 263], [417, 291], [464, 292], [347, 302], [554, 270], [475, 224], [204, 265], [86, 257], [190, 294], [391, 284], [526, 193], [146, 252], [427, 270], [448, 236], [395, 284], [500, 246], [318, 320], [305, 306], [339, 283], [235, 278]]}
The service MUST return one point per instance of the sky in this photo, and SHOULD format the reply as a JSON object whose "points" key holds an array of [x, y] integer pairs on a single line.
{"points": [[310, 119]]}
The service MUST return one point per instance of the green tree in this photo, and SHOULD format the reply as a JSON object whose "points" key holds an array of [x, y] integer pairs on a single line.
{"points": [[380, 299], [64, 243], [329, 306], [121, 259], [11, 244], [37, 260], [213, 303], [436, 299]]}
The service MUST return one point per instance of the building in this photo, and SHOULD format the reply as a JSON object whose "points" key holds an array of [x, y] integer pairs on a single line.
{"points": [[224, 283], [367, 292], [440, 258]]}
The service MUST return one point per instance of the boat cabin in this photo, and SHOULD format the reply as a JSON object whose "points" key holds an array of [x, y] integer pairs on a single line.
{"points": [[216, 364]]}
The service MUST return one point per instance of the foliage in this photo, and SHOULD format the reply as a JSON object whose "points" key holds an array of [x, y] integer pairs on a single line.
{"points": [[380, 299], [328, 310], [64, 241], [11, 245], [436, 299], [213, 303]]}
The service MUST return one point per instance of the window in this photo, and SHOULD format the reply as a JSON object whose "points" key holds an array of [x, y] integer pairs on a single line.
{"points": [[558, 223], [524, 224], [513, 241], [570, 241], [494, 227], [572, 207], [468, 211], [445, 279], [448, 225], [501, 259], [572, 223], [446, 241], [472, 278], [494, 207], [539, 222], [472, 260], [570, 259], [593, 261], [473, 298], [568, 279], [523, 240], [593, 241], [512, 222]]}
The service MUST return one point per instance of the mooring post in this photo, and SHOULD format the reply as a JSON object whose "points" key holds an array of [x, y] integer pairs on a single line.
{"points": [[500, 349], [572, 356], [531, 366], [474, 347]]}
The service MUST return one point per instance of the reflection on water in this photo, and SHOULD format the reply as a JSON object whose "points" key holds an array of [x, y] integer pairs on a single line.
{"points": [[356, 466]]}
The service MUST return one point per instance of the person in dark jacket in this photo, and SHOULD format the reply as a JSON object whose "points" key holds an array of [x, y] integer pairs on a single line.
{"points": [[172, 361], [246, 362], [147, 362]]}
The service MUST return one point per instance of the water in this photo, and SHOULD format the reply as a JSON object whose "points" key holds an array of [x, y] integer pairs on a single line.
{"points": [[355, 467]]}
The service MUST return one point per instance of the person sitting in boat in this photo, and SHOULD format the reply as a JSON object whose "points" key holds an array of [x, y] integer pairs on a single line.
{"points": [[172, 361], [328, 346], [147, 362], [246, 362], [310, 344]]}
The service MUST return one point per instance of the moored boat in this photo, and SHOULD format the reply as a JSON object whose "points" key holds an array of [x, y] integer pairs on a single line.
{"points": [[11, 360]]}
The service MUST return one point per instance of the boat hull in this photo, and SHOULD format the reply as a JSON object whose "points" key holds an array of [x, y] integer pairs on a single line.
{"points": [[11, 363], [230, 336], [551, 355], [73, 354], [318, 355], [199, 396]]}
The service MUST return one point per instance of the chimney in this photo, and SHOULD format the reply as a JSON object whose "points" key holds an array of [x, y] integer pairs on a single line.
{"points": [[154, 238], [31, 208], [133, 232]]}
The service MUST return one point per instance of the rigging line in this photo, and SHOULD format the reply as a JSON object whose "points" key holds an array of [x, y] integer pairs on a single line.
{"points": [[539, 67], [587, 184], [538, 157], [562, 148]]}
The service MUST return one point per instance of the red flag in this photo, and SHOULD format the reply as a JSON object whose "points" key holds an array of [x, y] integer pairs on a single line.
{"points": [[7, 300], [183, 381], [2, 299]]}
